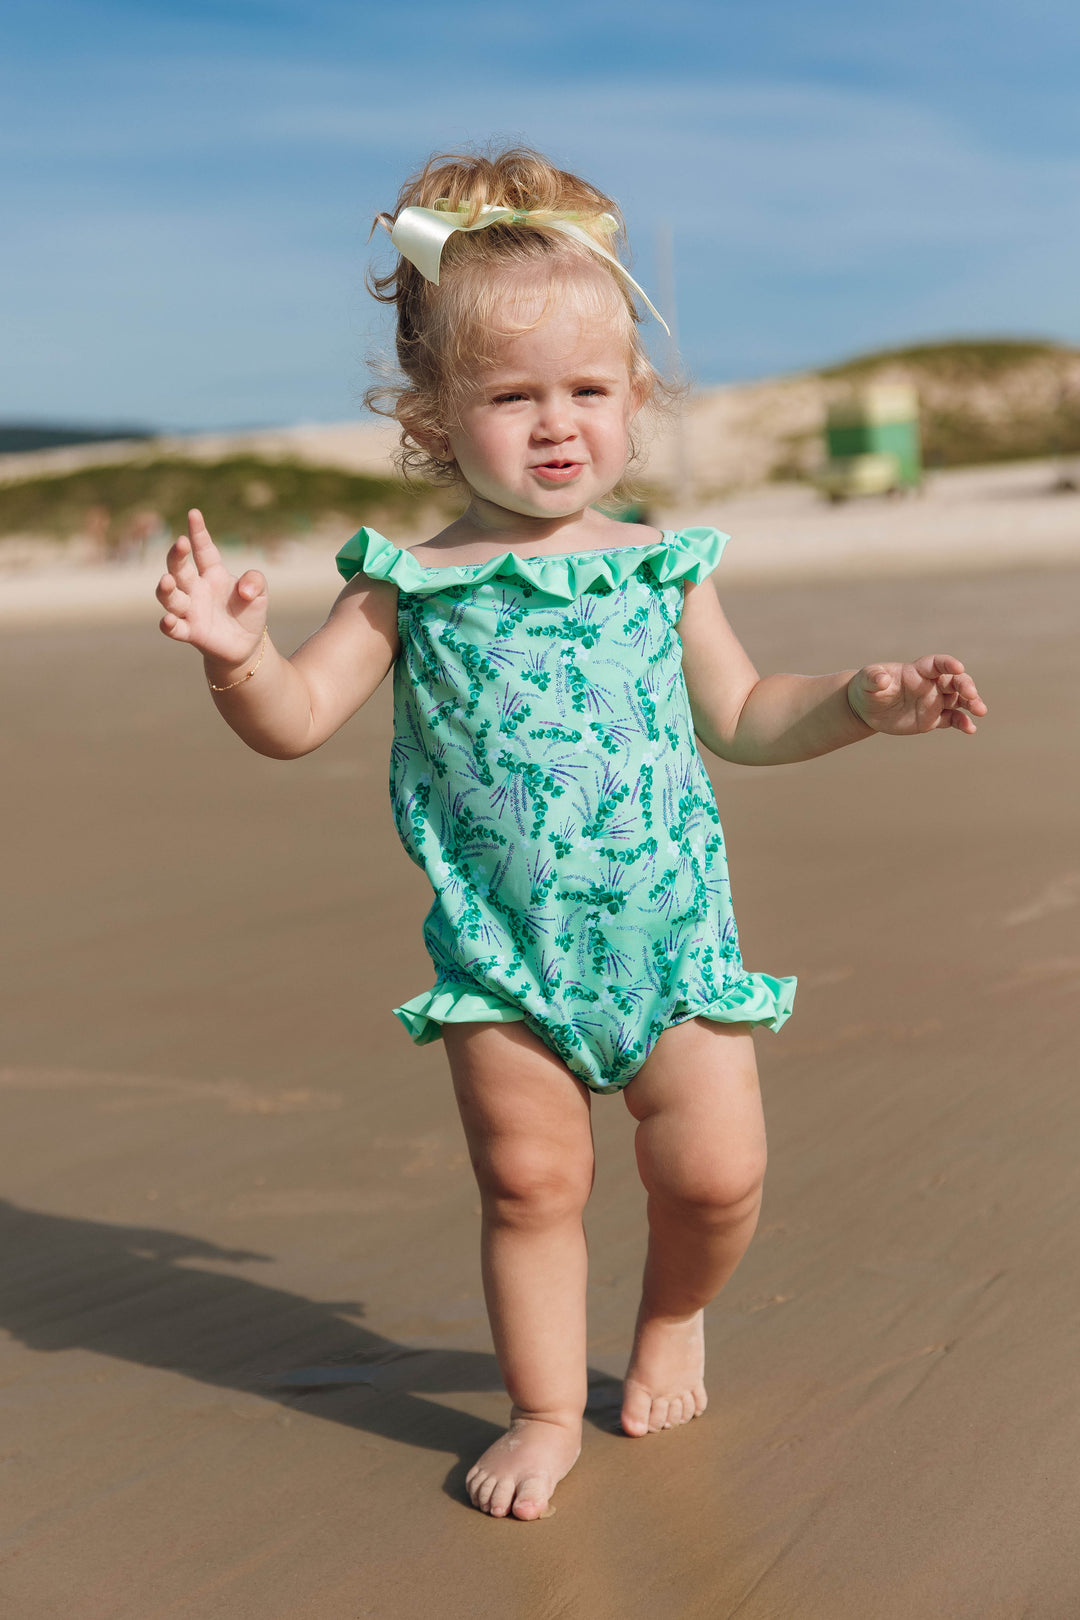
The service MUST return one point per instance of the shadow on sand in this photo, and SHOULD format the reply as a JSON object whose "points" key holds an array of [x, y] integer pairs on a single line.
{"points": [[147, 1296]]}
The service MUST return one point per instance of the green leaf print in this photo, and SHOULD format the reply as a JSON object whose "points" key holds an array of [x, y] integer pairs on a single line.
{"points": [[611, 797], [648, 708], [544, 773]]}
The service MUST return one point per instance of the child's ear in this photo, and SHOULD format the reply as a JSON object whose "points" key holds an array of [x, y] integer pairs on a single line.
{"points": [[434, 443], [425, 434], [639, 393]]}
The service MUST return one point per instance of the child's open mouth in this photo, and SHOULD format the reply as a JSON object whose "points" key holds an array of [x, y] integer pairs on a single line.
{"points": [[557, 472]]}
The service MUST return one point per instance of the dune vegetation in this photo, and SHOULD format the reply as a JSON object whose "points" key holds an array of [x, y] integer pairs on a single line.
{"points": [[980, 400], [254, 500]]}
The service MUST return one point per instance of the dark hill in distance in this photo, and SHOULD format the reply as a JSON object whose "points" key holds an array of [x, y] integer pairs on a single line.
{"points": [[981, 399], [983, 358], [18, 437]]}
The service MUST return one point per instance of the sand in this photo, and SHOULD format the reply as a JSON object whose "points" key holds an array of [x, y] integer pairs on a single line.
{"points": [[248, 1363], [966, 520]]}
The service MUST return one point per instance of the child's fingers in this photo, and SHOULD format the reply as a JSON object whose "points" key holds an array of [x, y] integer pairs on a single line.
{"points": [[179, 562], [203, 549], [969, 695], [251, 585], [961, 690], [876, 682], [176, 629], [948, 713], [938, 664], [171, 596]]}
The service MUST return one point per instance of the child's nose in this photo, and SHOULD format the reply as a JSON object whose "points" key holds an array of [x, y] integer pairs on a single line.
{"points": [[554, 424]]}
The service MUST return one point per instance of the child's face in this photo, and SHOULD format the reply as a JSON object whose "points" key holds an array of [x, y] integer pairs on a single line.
{"points": [[544, 431]]}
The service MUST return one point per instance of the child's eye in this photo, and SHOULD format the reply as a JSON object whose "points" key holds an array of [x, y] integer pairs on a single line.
{"points": [[507, 399], [600, 392]]}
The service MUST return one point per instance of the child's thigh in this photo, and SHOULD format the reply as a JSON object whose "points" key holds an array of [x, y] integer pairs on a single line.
{"points": [[521, 1108], [697, 1096]]}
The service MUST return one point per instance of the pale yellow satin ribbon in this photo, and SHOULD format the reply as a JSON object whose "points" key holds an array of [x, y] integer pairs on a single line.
{"points": [[420, 234]]}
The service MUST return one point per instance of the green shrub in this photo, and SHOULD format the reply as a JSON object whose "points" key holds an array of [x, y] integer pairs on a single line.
{"points": [[971, 359], [244, 499]]}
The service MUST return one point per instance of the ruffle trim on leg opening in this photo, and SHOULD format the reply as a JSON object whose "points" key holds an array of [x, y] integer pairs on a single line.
{"points": [[757, 998], [425, 1014]]}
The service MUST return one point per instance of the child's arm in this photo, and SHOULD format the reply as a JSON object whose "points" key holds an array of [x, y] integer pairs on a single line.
{"points": [[288, 706], [783, 718]]}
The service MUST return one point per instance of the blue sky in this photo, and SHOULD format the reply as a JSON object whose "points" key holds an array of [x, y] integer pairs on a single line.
{"points": [[187, 187]]}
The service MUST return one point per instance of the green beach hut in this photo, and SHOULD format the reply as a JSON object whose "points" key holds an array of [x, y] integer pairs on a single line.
{"points": [[872, 443]]}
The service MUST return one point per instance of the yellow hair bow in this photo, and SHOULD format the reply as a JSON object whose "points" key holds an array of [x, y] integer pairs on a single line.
{"points": [[420, 234]]}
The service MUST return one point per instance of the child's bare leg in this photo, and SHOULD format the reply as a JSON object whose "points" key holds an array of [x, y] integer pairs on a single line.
{"points": [[701, 1155], [529, 1132]]}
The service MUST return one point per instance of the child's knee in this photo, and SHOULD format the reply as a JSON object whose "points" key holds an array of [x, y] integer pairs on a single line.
{"points": [[714, 1192], [524, 1187]]}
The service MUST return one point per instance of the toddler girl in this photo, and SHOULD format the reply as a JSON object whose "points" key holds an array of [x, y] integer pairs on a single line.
{"points": [[551, 670]]}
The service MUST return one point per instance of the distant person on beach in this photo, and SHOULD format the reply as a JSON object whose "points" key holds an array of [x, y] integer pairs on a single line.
{"points": [[551, 669]]}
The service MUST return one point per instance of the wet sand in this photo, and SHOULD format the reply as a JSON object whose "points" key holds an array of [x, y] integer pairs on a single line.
{"points": [[248, 1364]]}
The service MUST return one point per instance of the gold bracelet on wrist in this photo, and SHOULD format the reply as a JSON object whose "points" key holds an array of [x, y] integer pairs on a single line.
{"points": [[243, 678]]}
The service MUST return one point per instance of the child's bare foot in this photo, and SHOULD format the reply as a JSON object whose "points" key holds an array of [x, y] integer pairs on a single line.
{"points": [[518, 1474], [665, 1381]]}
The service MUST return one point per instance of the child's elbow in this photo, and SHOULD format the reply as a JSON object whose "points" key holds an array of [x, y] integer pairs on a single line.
{"points": [[714, 731], [271, 752], [282, 747], [709, 739]]}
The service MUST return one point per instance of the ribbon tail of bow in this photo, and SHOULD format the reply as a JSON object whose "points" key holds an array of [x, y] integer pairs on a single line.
{"points": [[420, 234], [569, 229]]}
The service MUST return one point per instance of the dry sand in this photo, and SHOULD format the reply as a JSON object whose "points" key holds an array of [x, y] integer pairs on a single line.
{"points": [[224, 1164], [970, 519]]}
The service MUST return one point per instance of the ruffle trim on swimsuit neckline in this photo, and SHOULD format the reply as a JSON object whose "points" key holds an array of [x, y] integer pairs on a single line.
{"points": [[756, 998], [684, 554]]}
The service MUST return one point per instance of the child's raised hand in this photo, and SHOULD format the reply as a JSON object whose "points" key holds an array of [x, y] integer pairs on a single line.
{"points": [[205, 605], [905, 699]]}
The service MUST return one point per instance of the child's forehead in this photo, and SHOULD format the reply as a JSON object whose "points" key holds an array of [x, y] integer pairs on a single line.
{"points": [[558, 338], [561, 334]]}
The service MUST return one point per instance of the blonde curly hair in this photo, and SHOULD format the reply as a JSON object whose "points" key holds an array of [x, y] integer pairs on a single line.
{"points": [[446, 332]]}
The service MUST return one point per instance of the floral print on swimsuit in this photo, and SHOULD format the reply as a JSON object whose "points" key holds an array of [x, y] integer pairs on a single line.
{"points": [[544, 774]]}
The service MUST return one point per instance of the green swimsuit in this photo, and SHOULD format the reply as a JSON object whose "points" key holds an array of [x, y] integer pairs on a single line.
{"points": [[545, 776]]}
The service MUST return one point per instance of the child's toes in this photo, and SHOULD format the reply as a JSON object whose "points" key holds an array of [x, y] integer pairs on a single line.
{"points": [[532, 1499], [658, 1417], [502, 1495], [637, 1405]]}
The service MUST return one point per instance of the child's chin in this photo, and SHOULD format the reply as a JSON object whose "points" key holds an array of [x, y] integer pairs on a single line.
{"points": [[556, 503]]}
